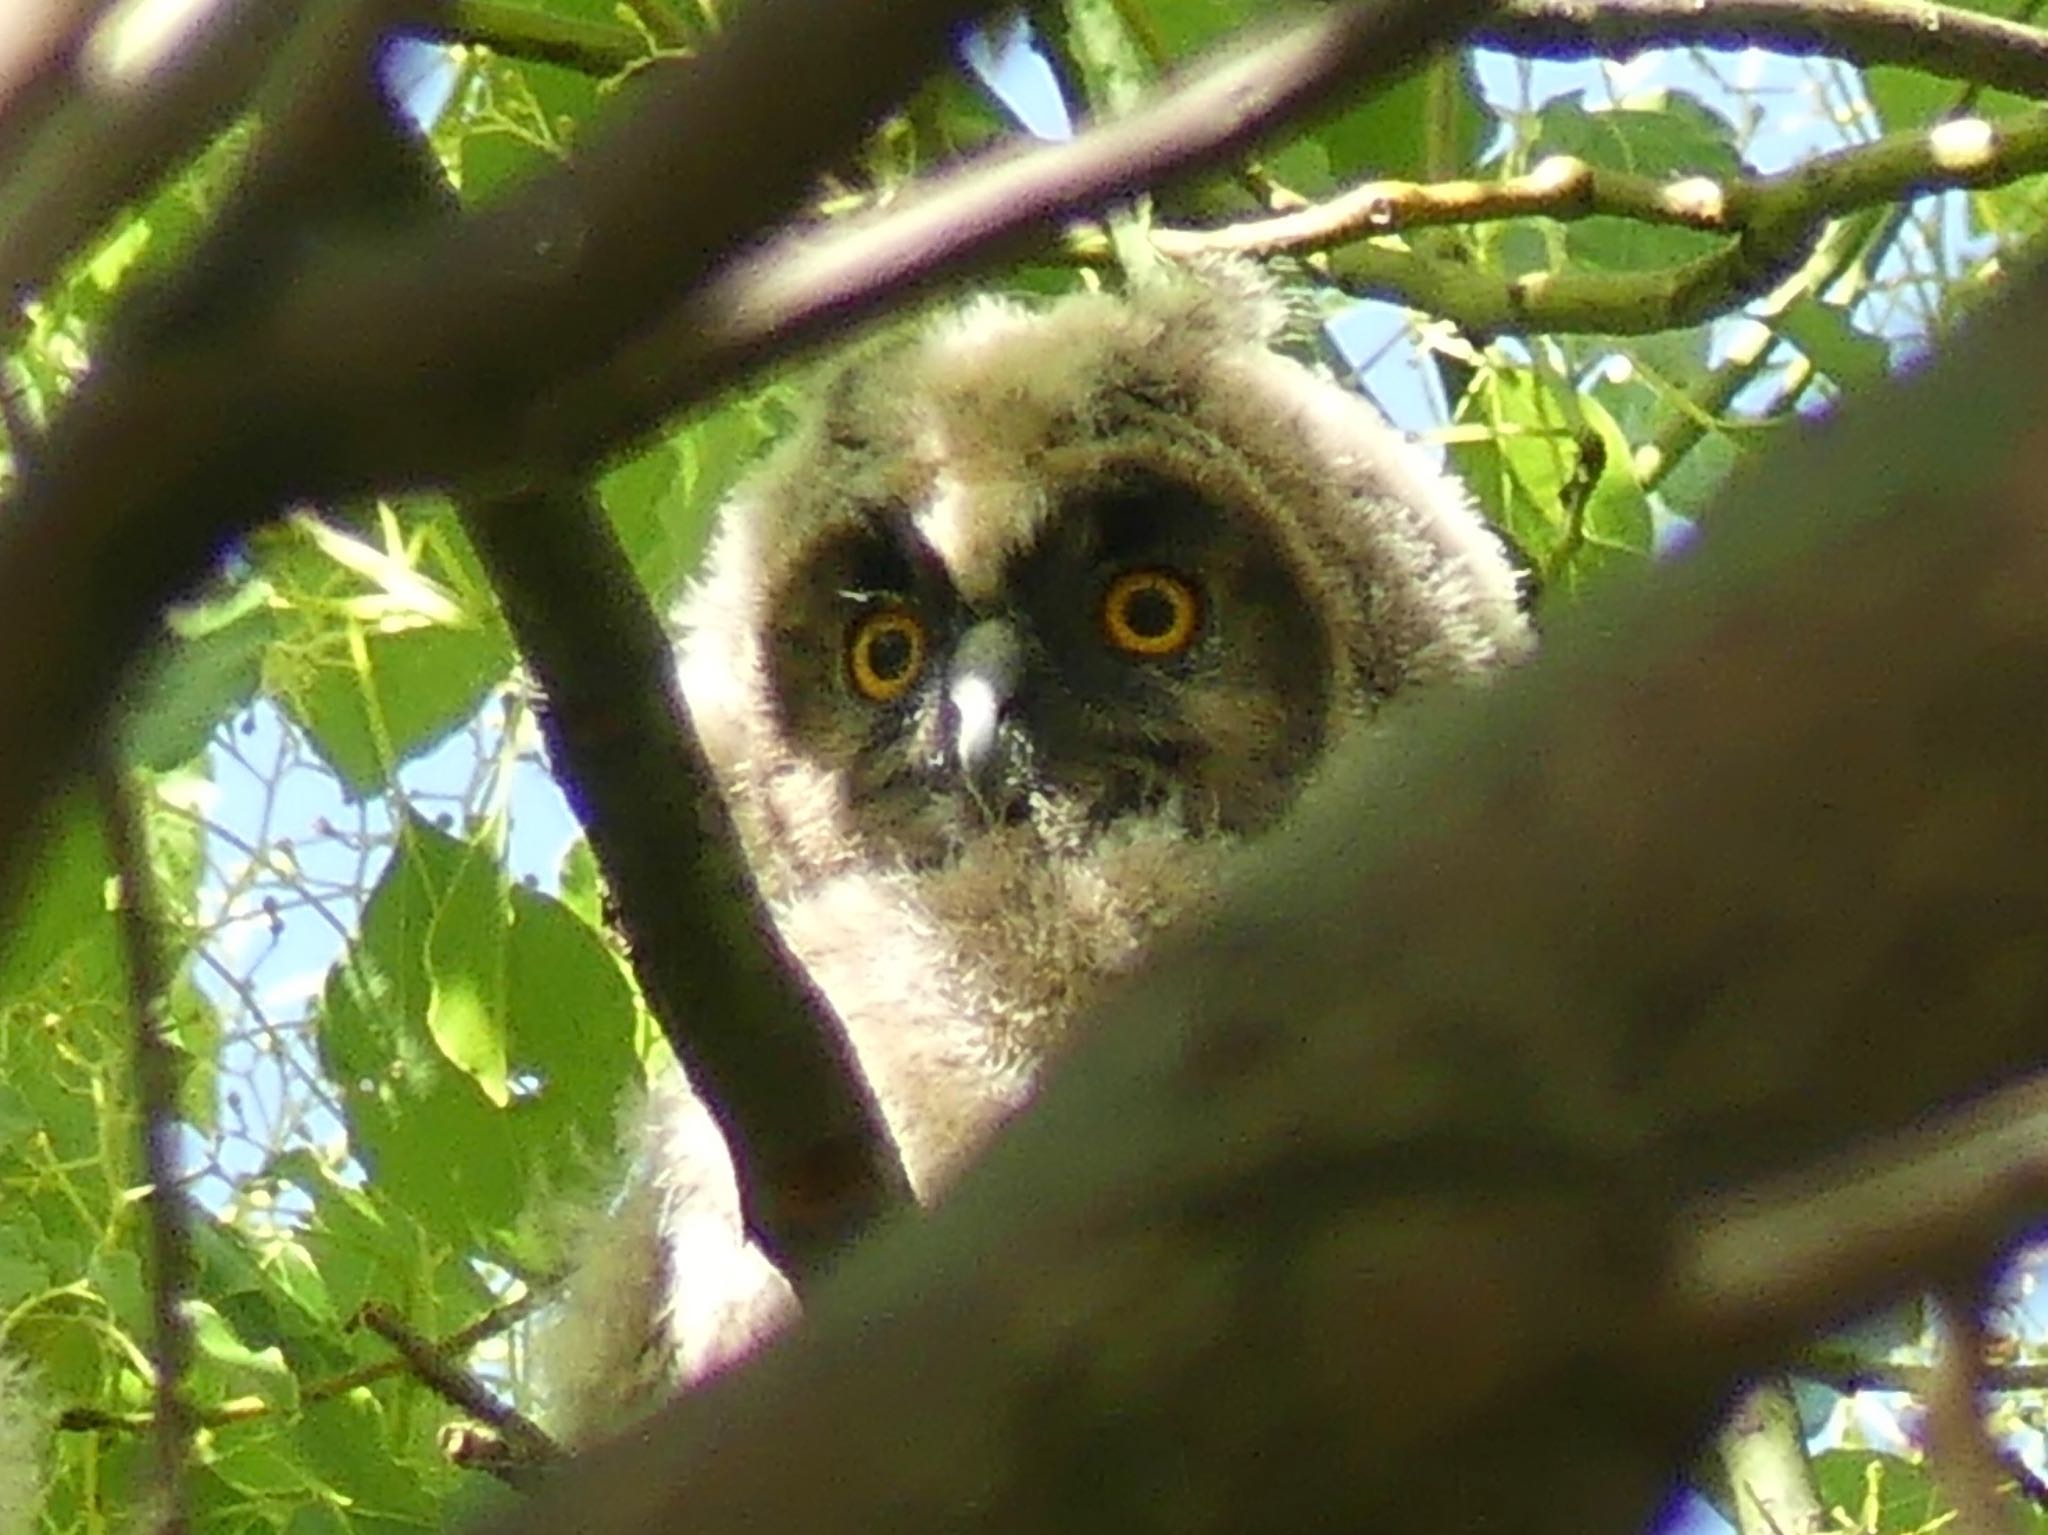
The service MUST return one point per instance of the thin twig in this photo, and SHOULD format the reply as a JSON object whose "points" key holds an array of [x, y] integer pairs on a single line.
{"points": [[497, 1320], [156, 1092], [453, 1384]]}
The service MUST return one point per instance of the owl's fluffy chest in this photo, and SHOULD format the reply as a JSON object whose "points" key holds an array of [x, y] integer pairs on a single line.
{"points": [[955, 982]]}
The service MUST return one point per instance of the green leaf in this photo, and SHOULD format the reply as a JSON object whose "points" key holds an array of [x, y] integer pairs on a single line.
{"points": [[1554, 472], [211, 670], [525, 124], [388, 640], [116, 1277], [351, 1236], [352, 1446], [24, 1265], [434, 1142], [225, 1367], [582, 886], [1831, 341], [404, 695], [262, 1462], [70, 925], [661, 503], [466, 964], [572, 1022], [475, 1014], [1906, 99], [1431, 125]]}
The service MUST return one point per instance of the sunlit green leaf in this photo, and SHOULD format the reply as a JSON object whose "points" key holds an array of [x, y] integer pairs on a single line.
{"points": [[1831, 341], [466, 968]]}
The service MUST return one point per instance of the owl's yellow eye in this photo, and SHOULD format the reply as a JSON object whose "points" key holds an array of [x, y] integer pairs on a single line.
{"points": [[1151, 613], [884, 654]]}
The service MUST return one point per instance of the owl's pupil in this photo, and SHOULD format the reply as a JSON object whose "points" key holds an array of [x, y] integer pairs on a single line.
{"points": [[1150, 613], [889, 654]]}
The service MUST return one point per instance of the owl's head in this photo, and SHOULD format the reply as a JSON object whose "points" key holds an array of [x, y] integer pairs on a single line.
{"points": [[1110, 561]]}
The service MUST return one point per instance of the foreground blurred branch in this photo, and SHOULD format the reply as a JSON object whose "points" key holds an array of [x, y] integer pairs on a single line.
{"points": [[399, 371], [1566, 1170], [106, 141], [169, 454], [809, 285]]}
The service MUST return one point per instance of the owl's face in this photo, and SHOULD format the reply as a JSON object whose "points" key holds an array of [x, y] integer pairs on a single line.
{"points": [[1146, 650], [1060, 572]]}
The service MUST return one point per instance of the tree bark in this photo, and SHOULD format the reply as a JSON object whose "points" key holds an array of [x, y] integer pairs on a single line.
{"points": [[1542, 1081]]}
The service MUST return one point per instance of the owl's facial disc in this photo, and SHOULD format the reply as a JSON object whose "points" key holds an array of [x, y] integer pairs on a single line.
{"points": [[1143, 650]]}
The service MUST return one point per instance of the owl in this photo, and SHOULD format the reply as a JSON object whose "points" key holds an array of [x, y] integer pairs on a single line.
{"points": [[1039, 615]]}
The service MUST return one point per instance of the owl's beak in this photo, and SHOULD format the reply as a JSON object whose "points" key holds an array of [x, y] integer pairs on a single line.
{"points": [[987, 665]]}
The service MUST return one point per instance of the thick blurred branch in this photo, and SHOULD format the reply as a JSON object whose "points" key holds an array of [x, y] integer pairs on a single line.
{"points": [[103, 144], [37, 51], [1564, 1169], [810, 285], [368, 373], [166, 457], [820, 278]]}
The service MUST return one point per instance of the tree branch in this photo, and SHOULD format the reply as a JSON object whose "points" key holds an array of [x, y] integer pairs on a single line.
{"points": [[1775, 219], [374, 377], [1564, 1169], [815, 1163], [104, 148], [1966, 152], [1942, 40], [1762, 1452], [809, 286], [156, 1093], [1945, 40], [167, 456], [602, 48]]}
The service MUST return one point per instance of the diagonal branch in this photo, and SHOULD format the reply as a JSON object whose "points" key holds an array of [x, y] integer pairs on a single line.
{"points": [[1776, 219], [405, 371], [809, 286], [1689, 946], [103, 148], [1947, 40], [172, 452], [814, 1162]]}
